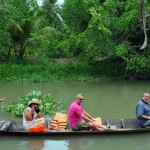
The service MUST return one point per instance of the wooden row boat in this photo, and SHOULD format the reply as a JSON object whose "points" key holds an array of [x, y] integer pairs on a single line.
{"points": [[120, 126]]}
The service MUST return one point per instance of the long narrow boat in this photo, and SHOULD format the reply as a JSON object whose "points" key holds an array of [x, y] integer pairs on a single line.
{"points": [[122, 126]]}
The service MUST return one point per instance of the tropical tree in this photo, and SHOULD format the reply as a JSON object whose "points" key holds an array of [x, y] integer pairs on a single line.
{"points": [[30, 27], [111, 29], [15, 22], [52, 13], [5, 40]]}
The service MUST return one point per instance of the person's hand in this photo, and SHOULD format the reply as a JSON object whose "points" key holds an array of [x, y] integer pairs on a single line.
{"points": [[95, 124], [93, 119], [2, 99]]}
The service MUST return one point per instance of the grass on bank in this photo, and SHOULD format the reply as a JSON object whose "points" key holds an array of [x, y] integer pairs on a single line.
{"points": [[45, 72]]}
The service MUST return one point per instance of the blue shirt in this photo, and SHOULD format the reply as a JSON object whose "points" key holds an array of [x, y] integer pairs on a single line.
{"points": [[142, 108]]}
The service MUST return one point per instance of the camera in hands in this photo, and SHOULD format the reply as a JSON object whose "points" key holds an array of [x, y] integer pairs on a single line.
{"points": [[37, 109]]}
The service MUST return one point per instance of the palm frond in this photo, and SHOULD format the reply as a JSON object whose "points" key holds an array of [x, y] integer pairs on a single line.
{"points": [[15, 31], [50, 32]]}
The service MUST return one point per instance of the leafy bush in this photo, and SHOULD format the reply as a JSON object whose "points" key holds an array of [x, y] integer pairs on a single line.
{"points": [[49, 105]]}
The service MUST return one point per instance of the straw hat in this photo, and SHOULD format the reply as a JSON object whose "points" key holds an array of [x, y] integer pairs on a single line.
{"points": [[35, 101]]}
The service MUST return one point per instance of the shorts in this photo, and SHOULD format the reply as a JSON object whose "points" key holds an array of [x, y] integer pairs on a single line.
{"points": [[83, 125]]}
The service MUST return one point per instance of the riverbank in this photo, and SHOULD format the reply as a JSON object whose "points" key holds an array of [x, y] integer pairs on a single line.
{"points": [[52, 71]]}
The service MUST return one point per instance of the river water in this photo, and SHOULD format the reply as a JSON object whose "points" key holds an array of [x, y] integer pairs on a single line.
{"points": [[109, 99]]}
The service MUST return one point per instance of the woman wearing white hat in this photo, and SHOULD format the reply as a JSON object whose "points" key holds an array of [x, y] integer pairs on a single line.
{"points": [[32, 116]]}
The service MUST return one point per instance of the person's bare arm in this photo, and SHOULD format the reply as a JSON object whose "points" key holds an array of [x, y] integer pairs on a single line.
{"points": [[84, 117], [89, 120], [88, 115], [28, 115], [145, 117], [39, 115]]}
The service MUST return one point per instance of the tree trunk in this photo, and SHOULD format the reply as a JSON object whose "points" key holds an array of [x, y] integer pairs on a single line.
{"points": [[143, 10], [22, 51], [8, 54]]}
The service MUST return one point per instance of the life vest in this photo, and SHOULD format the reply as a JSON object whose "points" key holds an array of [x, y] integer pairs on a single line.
{"points": [[59, 122]]}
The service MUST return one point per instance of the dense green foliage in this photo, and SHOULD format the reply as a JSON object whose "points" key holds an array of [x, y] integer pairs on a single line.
{"points": [[58, 72], [89, 30], [49, 105], [113, 28]]}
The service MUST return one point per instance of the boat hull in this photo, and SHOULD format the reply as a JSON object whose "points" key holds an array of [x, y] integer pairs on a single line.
{"points": [[122, 126]]}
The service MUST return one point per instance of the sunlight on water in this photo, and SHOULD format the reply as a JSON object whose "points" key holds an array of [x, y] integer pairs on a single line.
{"points": [[57, 145]]}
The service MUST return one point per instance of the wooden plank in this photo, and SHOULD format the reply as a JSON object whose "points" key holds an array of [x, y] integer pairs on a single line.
{"points": [[5, 126], [1, 123], [123, 125]]}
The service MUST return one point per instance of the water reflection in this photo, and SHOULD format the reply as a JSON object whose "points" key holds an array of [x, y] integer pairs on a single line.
{"points": [[36, 144], [45, 143], [113, 142]]}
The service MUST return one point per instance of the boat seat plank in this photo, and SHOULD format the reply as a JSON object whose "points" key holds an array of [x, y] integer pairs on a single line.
{"points": [[5, 125]]}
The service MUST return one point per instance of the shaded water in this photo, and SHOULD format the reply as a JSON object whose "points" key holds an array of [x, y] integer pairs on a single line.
{"points": [[110, 100]]}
